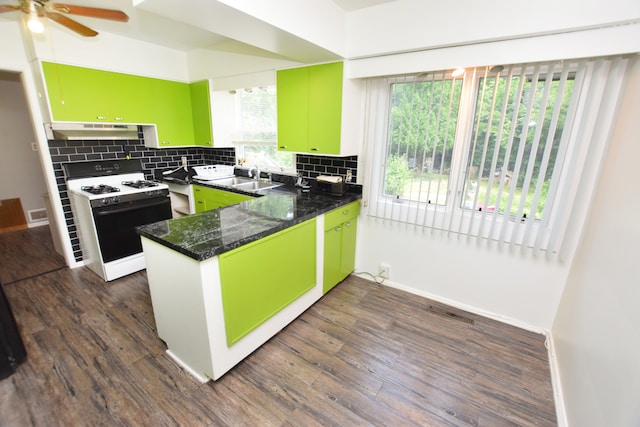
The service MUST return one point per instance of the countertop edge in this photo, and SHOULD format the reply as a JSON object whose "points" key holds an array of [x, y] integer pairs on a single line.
{"points": [[329, 203]]}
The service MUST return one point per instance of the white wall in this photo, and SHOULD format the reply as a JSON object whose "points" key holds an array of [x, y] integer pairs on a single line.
{"points": [[523, 291], [112, 53], [596, 332], [410, 25], [14, 58], [579, 44], [20, 171], [322, 23], [234, 70]]}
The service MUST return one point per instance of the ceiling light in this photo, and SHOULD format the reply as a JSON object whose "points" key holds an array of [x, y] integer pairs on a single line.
{"points": [[35, 25], [458, 72]]}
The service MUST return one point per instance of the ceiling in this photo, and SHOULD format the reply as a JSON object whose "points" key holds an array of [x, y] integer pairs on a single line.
{"points": [[203, 24]]}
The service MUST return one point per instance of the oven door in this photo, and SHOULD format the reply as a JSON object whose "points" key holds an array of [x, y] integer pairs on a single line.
{"points": [[116, 225]]}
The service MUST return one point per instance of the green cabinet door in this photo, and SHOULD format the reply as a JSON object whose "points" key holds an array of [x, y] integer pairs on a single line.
{"points": [[348, 260], [340, 227], [292, 107], [207, 198], [201, 110], [309, 103], [325, 108], [332, 258], [200, 198], [88, 95], [171, 112], [261, 278]]}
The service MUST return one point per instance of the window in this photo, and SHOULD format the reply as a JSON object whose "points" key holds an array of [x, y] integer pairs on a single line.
{"points": [[499, 153], [256, 126], [422, 125]]}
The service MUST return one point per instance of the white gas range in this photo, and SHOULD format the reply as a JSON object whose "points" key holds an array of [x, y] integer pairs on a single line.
{"points": [[109, 199]]}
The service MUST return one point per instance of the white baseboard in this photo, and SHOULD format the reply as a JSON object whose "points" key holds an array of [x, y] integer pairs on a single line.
{"points": [[458, 305], [556, 383]]}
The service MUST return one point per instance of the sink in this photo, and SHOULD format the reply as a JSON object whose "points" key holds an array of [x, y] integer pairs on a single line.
{"points": [[256, 185], [244, 183], [231, 181]]}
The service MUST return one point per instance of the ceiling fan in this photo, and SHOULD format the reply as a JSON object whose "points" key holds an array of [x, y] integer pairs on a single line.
{"points": [[58, 11]]}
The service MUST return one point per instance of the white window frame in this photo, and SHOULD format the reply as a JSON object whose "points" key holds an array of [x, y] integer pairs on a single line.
{"points": [[605, 77], [240, 142]]}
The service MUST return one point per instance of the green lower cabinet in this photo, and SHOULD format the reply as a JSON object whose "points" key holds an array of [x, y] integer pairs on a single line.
{"points": [[206, 198], [348, 261], [263, 277], [340, 230]]}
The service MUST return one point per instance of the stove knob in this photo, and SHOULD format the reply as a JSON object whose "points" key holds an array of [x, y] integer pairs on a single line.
{"points": [[104, 201], [115, 200]]}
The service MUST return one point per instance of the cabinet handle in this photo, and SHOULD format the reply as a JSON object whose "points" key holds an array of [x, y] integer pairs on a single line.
{"points": [[200, 202], [315, 149], [100, 117], [347, 224], [345, 212], [338, 228], [164, 142], [118, 119], [282, 146]]}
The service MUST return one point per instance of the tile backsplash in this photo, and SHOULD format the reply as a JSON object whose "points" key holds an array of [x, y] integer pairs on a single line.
{"points": [[63, 151], [310, 165]]}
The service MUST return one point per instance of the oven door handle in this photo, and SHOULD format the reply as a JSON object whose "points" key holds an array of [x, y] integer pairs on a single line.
{"points": [[108, 210]]}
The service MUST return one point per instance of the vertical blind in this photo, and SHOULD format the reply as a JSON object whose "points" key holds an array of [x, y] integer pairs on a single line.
{"points": [[502, 155]]}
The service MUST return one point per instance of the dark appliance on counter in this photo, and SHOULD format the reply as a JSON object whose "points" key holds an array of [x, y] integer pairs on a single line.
{"points": [[330, 185], [109, 199], [12, 351]]}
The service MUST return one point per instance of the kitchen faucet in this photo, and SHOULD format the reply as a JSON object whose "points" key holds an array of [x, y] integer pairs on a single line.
{"points": [[256, 174]]}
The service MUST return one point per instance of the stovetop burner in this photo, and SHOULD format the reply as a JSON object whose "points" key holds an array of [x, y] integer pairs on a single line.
{"points": [[99, 189], [140, 184]]}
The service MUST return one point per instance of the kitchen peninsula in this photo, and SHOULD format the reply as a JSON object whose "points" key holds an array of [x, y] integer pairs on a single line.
{"points": [[224, 281]]}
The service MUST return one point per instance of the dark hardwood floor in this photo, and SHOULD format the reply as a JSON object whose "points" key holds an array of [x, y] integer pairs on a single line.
{"points": [[27, 253], [363, 355]]}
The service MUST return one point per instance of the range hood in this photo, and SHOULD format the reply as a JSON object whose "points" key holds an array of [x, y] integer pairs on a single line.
{"points": [[74, 131]]}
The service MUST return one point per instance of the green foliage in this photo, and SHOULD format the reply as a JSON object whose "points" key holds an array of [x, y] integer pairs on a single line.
{"points": [[397, 175], [503, 133], [517, 127], [423, 120]]}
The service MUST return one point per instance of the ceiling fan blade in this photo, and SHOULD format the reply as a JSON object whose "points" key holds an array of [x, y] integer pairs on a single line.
{"points": [[93, 12], [71, 24], [8, 8]]}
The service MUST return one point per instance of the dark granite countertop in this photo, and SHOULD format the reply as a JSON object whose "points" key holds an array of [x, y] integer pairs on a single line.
{"points": [[208, 234]]}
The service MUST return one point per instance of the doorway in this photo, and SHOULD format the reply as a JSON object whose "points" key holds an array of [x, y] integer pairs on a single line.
{"points": [[23, 185]]}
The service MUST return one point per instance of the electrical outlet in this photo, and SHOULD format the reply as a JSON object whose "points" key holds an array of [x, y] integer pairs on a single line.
{"points": [[34, 146], [384, 270]]}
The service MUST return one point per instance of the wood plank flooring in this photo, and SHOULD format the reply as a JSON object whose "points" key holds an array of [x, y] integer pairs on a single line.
{"points": [[27, 253], [363, 355]]}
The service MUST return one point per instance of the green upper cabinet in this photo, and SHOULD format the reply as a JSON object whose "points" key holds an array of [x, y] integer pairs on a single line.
{"points": [[78, 94], [318, 110], [293, 112], [170, 107], [87, 95], [201, 108]]}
